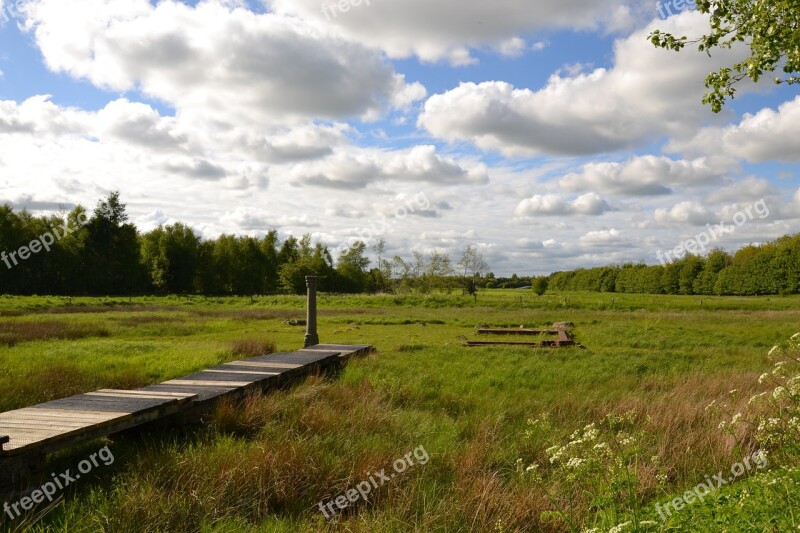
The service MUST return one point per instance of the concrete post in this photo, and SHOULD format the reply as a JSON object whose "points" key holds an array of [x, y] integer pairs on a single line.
{"points": [[312, 338]]}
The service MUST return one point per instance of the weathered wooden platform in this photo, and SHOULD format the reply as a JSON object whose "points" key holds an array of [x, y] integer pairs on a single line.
{"points": [[564, 338], [517, 331], [27, 435]]}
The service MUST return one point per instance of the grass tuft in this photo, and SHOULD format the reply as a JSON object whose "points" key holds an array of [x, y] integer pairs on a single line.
{"points": [[247, 348]]}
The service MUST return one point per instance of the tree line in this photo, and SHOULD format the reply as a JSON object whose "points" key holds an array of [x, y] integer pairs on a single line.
{"points": [[102, 253], [765, 269]]}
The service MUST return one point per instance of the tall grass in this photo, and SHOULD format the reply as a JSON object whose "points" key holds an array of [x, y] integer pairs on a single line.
{"points": [[651, 367]]}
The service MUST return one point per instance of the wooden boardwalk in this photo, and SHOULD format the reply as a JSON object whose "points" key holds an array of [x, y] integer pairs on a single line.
{"points": [[26, 435]]}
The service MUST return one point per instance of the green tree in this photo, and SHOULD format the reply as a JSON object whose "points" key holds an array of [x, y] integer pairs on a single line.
{"points": [[351, 268], [539, 285], [170, 255], [269, 250], [309, 260], [771, 28], [437, 272], [472, 265], [691, 267], [112, 250], [706, 280], [381, 275]]}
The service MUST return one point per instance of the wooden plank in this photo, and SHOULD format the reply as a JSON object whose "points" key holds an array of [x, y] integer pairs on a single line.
{"points": [[263, 365], [543, 344], [145, 393], [218, 384], [203, 394], [54, 411], [177, 395], [113, 405], [50, 416], [248, 372], [515, 331], [8, 424], [499, 343], [301, 357], [76, 419], [95, 403], [345, 350], [222, 377], [128, 396]]}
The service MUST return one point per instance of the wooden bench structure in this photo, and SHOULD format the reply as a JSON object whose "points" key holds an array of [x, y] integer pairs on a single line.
{"points": [[27, 435]]}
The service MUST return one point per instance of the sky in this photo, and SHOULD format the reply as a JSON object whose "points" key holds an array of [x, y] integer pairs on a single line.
{"points": [[551, 135]]}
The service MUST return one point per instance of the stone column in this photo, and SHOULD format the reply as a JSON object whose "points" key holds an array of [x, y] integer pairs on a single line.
{"points": [[312, 338]]}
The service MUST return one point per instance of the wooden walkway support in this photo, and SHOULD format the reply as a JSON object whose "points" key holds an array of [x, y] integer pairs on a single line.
{"points": [[28, 435]]}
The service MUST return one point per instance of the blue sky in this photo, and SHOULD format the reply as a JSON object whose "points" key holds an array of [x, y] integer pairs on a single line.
{"points": [[549, 135]]}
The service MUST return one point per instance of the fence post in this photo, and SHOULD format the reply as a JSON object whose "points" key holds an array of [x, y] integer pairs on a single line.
{"points": [[312, 338]]}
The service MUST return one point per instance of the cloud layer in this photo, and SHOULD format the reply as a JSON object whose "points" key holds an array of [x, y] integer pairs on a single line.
{"points": [[240, 121]]}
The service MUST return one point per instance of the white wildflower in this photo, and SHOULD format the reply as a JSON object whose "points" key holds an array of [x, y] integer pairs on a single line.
{"points": [[763, 377], [778, 393], [557, 455], [619, 528], [576, 462]]}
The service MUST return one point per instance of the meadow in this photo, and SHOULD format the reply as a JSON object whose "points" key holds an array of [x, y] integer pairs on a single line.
{"points": [[518, 439]]}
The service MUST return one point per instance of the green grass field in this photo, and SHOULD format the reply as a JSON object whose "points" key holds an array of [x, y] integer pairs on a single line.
{"points": [[650, 367]]}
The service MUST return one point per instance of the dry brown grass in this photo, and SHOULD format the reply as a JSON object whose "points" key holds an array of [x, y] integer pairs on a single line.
{"points": [[55, 381], [248, 314], [247, 348], [96, 309], [142, 320], [677, 414], [12, 333], [278, 314], [246, 417]]}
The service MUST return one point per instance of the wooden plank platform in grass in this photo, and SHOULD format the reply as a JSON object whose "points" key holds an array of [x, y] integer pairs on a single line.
{"points": [[564, 338], [35, 431], [516, 331]]}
